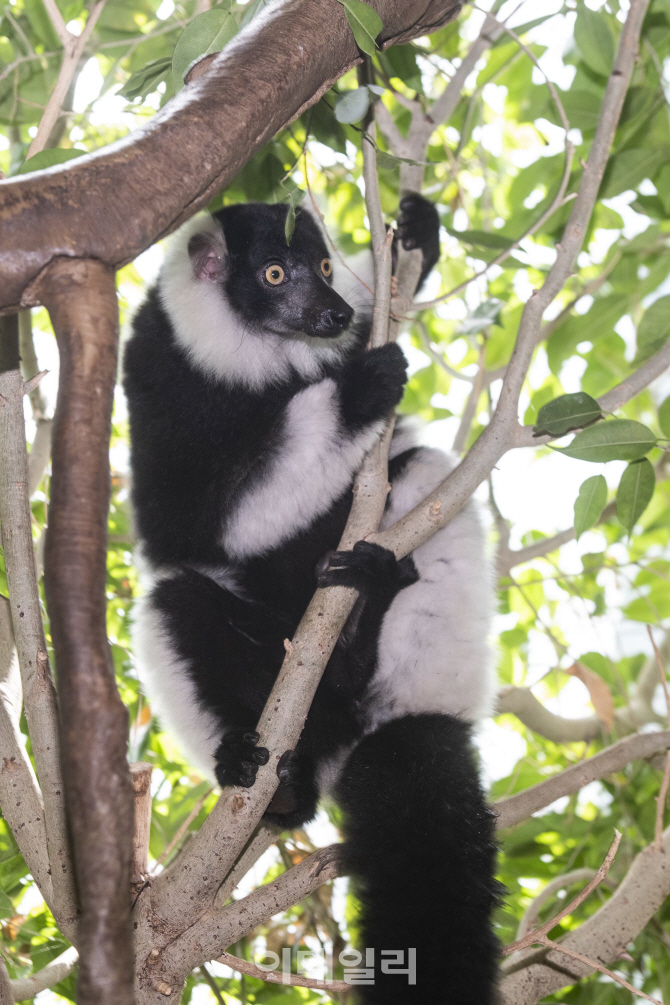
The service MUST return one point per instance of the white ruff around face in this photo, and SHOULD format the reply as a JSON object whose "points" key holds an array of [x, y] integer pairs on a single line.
{"points": [[218, 342]]}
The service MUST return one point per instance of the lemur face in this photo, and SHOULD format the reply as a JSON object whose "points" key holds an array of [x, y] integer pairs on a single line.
{"points": [[285, 290]]}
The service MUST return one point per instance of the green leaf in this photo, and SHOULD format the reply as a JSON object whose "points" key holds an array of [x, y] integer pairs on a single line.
{"points": [[487, 314], [146, 80], [590, 503], [208, 32], [617, 440], [634, 493], [653, 330], [595, 40], [627, 169], [569, 411], [47, 159], [6, 906], [664, 417], [387, 161], [482, 238], [352, 105], [295, 198], [365, 23]]}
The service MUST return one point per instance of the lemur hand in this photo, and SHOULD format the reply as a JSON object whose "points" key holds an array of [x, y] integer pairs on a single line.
{"points": [[373, 384]]}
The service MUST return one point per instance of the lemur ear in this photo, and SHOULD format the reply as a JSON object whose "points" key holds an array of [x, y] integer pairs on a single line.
{"points": [[207, 252]]}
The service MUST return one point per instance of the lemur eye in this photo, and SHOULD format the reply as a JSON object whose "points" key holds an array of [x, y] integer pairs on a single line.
{"points": [[274, 274], [327, 267]]}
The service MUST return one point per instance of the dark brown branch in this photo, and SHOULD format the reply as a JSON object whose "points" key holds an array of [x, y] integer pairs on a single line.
{"points": [[81, 300], [195, 146]]}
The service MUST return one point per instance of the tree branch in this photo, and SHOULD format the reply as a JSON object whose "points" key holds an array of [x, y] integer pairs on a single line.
{"points": [[603, 937], [543, 930], [73, 47], [516, 808], [454, 492], [558, 883], [194, 146], [218, 929], [6, 996], [295, 980], [54, 972], [140, 776], [39, 695], [81, 299], [614, 399], [20, 797]]}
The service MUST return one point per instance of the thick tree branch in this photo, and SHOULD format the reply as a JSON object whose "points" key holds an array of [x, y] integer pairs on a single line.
{"points": [[603, 937], [516, 808], [39, 695], [81, 300], [194, 146], [216, 930], [454, 492]]}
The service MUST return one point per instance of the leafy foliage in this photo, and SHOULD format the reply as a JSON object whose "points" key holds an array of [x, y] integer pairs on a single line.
{"points": [[492, 172]]}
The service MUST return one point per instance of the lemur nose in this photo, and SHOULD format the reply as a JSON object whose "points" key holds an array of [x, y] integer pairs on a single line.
{"points": [[336, 318]]}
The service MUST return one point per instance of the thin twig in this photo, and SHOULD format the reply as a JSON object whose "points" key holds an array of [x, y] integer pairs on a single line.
{"points": [[599, 967], [328, 235], [73, 47], [181, 830], [437, 357], [665, 783], [216, 991], [270, 977], [563, 882], [539, 933]]}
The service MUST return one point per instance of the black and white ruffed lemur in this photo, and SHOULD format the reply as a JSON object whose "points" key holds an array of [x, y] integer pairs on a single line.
{"points": [[252, 401]]}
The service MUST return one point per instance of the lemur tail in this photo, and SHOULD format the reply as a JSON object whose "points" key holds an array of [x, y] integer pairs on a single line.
{"points": [[420, 849]]}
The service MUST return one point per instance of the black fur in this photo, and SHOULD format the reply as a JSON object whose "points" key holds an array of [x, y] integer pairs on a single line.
{"points": [[420, 847], [419, 227], [201, 444]]}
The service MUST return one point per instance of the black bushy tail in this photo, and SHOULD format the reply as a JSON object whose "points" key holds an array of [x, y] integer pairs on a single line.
{"points": [[421, 851]]}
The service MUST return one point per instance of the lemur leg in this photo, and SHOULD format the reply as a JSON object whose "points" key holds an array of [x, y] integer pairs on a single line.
{"points": [[224, 653]]}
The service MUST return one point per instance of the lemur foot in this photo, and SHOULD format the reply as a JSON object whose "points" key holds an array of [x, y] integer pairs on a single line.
{"points": [[419, 227], [368, 567], [294, 801], [238, 757]]}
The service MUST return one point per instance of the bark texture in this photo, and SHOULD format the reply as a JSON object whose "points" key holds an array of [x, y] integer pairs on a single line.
{"points": [[81, 300]]}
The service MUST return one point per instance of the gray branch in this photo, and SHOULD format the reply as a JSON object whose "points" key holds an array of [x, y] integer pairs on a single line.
{"points": [[603, 937], [20, 797], [514, 809], [39, 695]]}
